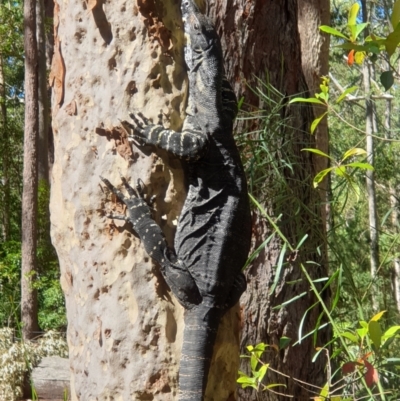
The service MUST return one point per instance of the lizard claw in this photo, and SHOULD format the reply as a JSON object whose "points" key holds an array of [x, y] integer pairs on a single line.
{"points": [[138, 128], [160, 118], [145, 119], [117, 217]]}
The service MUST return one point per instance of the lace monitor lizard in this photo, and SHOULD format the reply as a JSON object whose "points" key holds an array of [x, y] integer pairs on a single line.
{"points": [[214, 228]]}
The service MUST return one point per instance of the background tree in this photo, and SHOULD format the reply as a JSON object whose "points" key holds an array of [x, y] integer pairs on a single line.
{"points": [[29, 316], [379, 284], [282, 182]]}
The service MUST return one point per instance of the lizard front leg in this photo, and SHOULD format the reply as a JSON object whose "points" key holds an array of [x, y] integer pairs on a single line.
{"points": [[190, 144], [173, 270]]}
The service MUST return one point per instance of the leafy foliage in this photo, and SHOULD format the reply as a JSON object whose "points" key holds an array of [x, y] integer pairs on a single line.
{"points": [[362, 354], [18, 358], [50, 298]]}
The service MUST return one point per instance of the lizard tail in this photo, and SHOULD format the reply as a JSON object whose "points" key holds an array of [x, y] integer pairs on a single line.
{"points": [[201, 325]]}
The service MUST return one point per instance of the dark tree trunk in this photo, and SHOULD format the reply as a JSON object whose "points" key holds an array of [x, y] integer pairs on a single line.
{"points": [[262, 37], [30, 176], [44, 111]]}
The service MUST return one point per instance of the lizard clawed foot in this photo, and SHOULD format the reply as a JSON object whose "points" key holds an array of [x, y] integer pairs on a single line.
{"points": [[139, 128], [137, 207]]}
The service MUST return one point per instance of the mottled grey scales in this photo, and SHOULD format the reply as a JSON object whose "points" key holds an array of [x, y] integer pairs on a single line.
{"points": [[214, 228]]}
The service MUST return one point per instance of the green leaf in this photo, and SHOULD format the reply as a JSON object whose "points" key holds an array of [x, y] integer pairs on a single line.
{"points": [[284, 342], [253, 362], [377, 317], [323, 96], [240, 103], [357, 29], [350, 336], [325, 391], [387, 79], [278, 268], [345, 93], [295, 298], [340, 171], [317, 151], [321, 175], [324, 88], [316, 122], [261, 347], [352, 18], [391, 331], [306, 100], [354, 152], [301, 242], [362, 332], [392, 41], [332, 31], [395, 18], [247, 381], [262, 372], [375, 332], [365, 166]]}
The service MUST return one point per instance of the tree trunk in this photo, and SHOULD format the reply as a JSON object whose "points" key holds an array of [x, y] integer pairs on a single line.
{"points": [[394, 203], [395, 206], [370, 130], [124, 326], [29, 316], [5, 218], [262, 37], [315, 63], [44, 112]]}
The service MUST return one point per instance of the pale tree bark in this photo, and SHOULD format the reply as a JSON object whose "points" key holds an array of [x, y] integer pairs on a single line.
{"points": [[29, 317], [5, 218], [262, 37], [394, 203], [124, 326], [395, 206], [370, 130]]}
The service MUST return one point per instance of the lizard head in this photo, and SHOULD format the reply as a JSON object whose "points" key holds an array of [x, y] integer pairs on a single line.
{"points": [[200, 33]]}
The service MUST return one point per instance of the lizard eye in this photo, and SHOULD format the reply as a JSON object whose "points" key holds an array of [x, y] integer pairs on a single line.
{"points": [[196, 26]]}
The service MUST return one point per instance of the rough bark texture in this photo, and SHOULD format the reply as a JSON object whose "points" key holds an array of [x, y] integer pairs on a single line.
{"points": [[263, 36], [30, 177], [124, 326], [315, 60]]}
